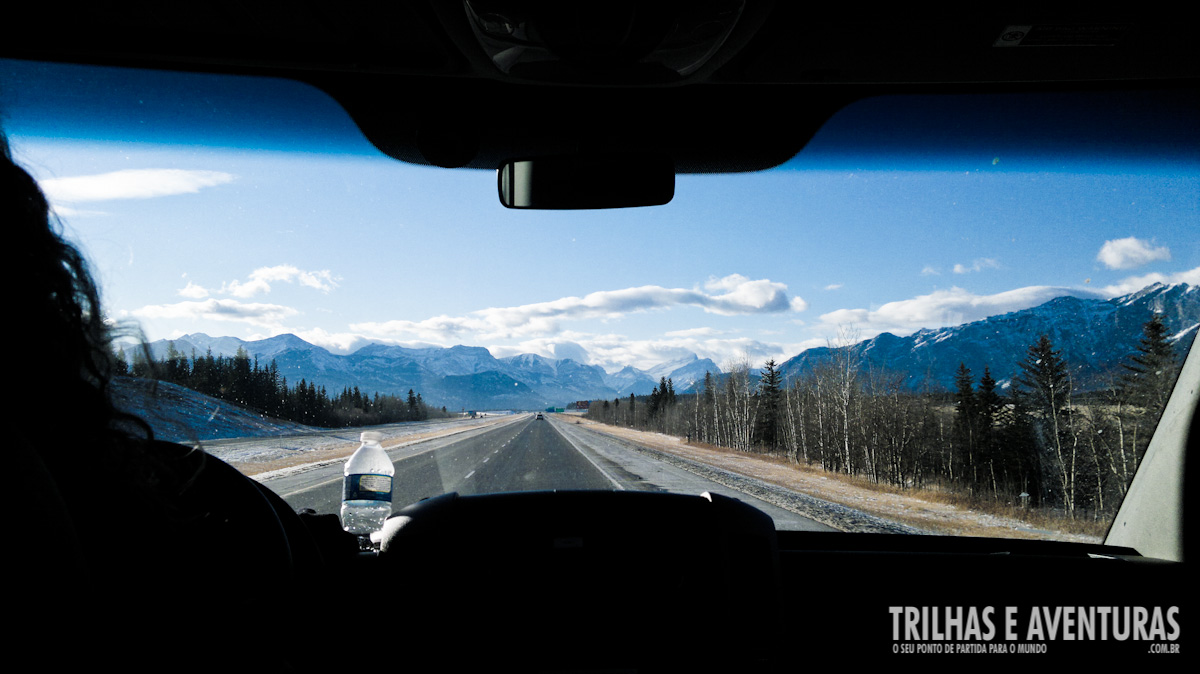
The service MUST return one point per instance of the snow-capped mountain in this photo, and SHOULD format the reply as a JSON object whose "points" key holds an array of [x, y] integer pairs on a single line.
{"points": [[685, 372], [629, 380], [1094, 336], [457, 376]]}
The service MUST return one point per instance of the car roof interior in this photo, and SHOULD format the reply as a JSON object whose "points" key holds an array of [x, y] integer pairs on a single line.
{"points": [[427, 82], [742, 85]]}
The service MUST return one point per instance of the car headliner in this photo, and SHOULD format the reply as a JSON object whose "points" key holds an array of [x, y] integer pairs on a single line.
{"points": [[420, 86]]}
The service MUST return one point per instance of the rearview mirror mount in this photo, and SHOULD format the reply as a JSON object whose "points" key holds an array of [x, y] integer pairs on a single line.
{"points": [[583, 182]]}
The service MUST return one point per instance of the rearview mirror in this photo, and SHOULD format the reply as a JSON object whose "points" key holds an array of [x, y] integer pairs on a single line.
{"points": [[578, 182]]}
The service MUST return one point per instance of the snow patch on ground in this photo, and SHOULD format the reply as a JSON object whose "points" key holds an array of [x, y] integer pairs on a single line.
{"points": [[260, 446], [178, 414]]}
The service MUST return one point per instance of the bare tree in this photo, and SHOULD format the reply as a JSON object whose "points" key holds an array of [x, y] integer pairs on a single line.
{"points": [[738, 401], [846, 361]]}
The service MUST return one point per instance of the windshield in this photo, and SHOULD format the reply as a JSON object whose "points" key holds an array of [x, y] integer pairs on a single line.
{"points": [[955, 315]]}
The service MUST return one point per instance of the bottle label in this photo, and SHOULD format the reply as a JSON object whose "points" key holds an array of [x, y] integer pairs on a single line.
{"points": [[367, 488]]}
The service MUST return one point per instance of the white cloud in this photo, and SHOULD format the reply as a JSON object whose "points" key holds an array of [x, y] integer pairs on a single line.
{"points": [[1130, 252], [193, 291], [336, 342], [731, 295], [571, 350], [977, 265], [68, 212], [262, 315], [744, 296], [833, 286], [945, 307], [956, 306], [131, 184], [694, 332], [261, 279], [1135, 283], [846, 317], [930, 271], [612, 351]]}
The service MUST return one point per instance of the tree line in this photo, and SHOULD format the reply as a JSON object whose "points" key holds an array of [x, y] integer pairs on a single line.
{"points": [[240, 380], [1038, 443]]}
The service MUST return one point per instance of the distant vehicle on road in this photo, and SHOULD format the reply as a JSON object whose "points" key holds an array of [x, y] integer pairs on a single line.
{"points": [[539, 416]]}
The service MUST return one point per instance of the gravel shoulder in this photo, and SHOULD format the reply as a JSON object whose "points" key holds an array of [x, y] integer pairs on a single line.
{"points": [[826, 497]]}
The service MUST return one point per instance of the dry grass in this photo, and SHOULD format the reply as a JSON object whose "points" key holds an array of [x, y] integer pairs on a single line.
{"points": [[930, 509]]}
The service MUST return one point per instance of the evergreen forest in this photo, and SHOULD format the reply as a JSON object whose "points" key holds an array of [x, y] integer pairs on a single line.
{"points": [[1039, 443], [242, 381]]}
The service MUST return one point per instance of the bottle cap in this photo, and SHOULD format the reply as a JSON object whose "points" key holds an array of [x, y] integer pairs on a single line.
{"points": [[371, 436]]}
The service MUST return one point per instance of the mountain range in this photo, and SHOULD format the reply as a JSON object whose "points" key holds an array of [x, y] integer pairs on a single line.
{"points": [[458, 377], [1094, 336]]}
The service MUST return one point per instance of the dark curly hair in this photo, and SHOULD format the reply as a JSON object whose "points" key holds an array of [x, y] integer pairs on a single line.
{"points": [[72, 370], [55, 293], [106, 515]]}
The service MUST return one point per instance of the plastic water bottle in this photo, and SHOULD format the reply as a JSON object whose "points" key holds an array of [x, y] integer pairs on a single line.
{"points": [[367, 487]]}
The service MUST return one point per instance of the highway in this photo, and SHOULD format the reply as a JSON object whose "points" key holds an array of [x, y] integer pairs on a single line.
{"points": [[526, 454]]}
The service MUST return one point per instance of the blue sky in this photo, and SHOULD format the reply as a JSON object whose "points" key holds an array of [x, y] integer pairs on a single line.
{"points": [[253, 208]]}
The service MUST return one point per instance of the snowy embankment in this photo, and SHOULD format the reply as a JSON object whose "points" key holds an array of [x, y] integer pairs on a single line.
{"points": [[179, 414], [251, 442]]}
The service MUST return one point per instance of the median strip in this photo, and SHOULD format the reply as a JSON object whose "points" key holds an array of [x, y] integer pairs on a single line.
{"points": [[290, 460]]}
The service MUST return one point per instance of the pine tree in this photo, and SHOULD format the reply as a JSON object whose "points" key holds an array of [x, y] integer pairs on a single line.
{"points": [[1043, 379], [964, 395], [989, 409], [412, 404], [174, 365], [655, 403], [770, 395], [1152, 371], [120, 364], [988, 401], [1045, 388], [966, 420]]}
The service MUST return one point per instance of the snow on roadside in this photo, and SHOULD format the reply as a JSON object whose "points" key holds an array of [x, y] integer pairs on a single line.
{"points": [[268, 458], [179, 414], [255, 444]]}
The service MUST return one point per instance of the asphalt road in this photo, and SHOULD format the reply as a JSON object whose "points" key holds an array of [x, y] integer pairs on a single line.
{"points": [[524, 455]]}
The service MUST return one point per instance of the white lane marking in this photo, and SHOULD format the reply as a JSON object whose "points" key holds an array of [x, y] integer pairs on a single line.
{"points": [[433, 445], [469, 474], [603, 472], [485, 459]]}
